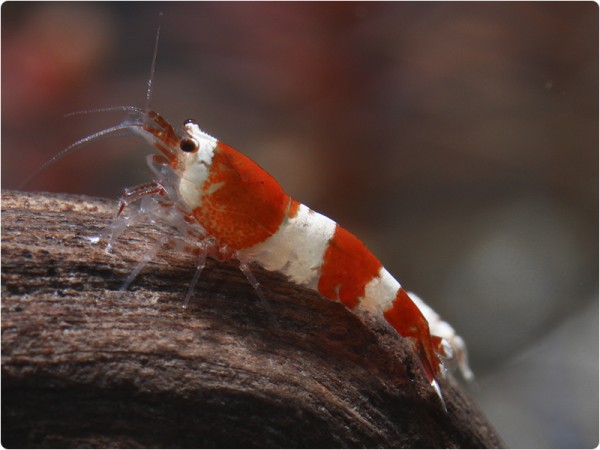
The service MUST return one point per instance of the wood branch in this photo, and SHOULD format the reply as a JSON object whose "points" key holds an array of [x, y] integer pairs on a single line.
{"points": [[85, 364]]}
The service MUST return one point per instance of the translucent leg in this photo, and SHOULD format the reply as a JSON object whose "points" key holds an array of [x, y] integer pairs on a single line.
{"points": [[145, 260], [131, 195], [146, 192], [199, 267], [245, 268]]}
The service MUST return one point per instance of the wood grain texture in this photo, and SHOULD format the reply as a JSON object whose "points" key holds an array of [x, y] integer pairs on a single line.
{"points": [[85, 364]]}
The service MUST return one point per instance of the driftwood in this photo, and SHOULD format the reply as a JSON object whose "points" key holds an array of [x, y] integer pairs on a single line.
{"points": [[85, 364]]}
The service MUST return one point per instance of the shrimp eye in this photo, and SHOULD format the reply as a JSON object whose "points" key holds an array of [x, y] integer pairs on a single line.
{"points": [[188, 121], [188, 145]]}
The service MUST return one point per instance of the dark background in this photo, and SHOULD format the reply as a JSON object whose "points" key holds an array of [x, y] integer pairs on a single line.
{"points": [[458, 140]]}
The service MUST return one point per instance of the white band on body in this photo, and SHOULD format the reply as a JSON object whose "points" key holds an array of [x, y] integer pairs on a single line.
{"points": [[296, 249]]}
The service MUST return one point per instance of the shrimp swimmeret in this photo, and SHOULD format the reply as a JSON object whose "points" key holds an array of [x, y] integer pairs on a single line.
{"points": [[221, 204]]}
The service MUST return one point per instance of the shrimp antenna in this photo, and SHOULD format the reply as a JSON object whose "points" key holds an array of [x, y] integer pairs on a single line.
{"points": [[152, 67], [127, 108], [120, 130], [117, 131]]}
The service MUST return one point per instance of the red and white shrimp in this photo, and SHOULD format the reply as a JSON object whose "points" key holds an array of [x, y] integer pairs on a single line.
{"points": [[221, 204]]}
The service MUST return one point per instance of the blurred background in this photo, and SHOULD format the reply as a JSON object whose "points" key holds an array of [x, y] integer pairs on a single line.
{"points": [[458, 140]]}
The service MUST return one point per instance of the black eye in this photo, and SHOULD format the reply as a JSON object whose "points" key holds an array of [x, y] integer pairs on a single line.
{"points": [[188, 145], [188, 121]]}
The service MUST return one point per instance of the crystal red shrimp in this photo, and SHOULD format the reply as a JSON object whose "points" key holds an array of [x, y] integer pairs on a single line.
{"points": [[222, 204]]}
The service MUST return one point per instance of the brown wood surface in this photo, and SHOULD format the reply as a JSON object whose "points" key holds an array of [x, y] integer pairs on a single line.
{"points": [[85, 364]]}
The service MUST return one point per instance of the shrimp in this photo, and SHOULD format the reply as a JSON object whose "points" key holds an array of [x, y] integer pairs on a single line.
{"points": [[221, 204]]}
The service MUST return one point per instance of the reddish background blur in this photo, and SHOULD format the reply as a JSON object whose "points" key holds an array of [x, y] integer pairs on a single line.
{"points": [[458, 140]]}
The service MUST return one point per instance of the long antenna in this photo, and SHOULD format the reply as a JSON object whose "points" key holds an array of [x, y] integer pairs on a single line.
{"points": [[114, 131], [108, 132], [152, 67]]}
